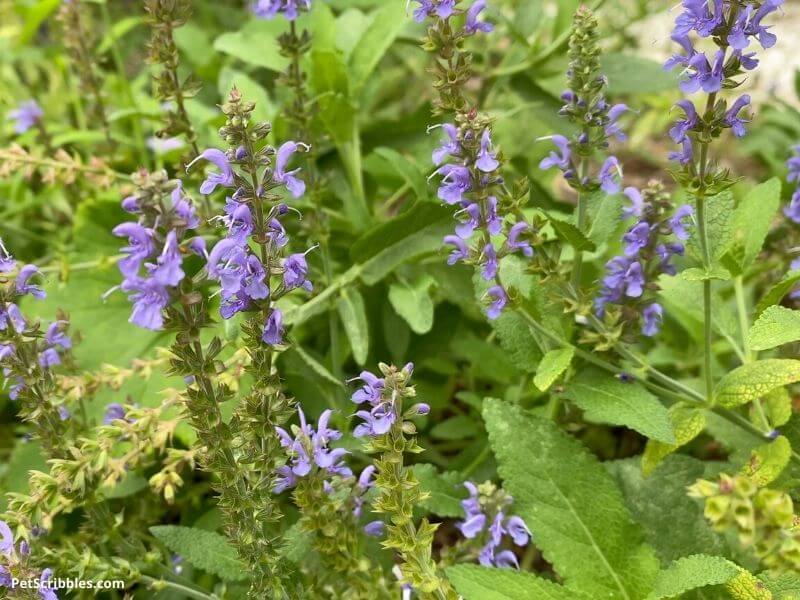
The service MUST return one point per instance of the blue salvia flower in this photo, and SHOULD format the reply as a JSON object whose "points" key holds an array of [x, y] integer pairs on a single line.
{"points": [[383, 406], [486, 520], [25, 116], [792, 211], [290, 9]]}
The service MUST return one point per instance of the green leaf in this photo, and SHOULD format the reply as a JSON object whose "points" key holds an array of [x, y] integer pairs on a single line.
{"points": [[517, 341], [205, 550], [605, 399], [455, 428], [250, 88], [776, 326], [687, 423], [777, 406], [719, 226], [629, 74], [702, 274], [754, 380], [753, 217], [604, 214], [572, 505], [684, 301], [256, 43], [768, 461], [691, 573], [353, 315], [658, 502], [118, 31], [553, 364], [316, 367], [785, 586], [445, 491], [572, 235], [386, 24], [413, 302], [778, 291], [474, 582], [407, 169]]}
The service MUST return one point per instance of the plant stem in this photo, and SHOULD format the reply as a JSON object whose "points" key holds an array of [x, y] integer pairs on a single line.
{"points": [[192, 593], [577, 263]]}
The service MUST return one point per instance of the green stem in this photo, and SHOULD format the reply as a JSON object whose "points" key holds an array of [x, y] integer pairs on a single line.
{"points": [[577, 263], [187, 591]]}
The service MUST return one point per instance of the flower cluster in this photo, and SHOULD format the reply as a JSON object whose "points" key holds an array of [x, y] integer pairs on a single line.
{"points": [[253, 212], [596, 120], [486, 520], [469, 167], [308, 452], [793, 210], [16, 567], [384, 401], [153, 264], [25, 116], [444, 9], [646, 255], [291, 9], [732, 24]]}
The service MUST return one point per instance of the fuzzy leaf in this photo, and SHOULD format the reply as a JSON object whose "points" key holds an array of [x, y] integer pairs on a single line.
{"points": [[753, 218], [553, 364], [571, 504], [413, 302], [783, 587], [474, 582], [719, 226], [776, 326], [691, 573], [698, 274], [572, 235], [768, 461], [606, 399], [445, 491], [205, 550], [354, 318], [778, 291], [754, 380], [745, 586], [687, 424], [778, 407]]}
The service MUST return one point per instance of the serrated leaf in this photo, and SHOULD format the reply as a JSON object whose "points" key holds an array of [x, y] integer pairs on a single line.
{"points": [[353, 315], [474, 582], [745, 586], [719, 226], [605, 399], [379, 36], [778, 291], [572, 235], [687, 423], [698, 274], [691, 573], [445, 491], [776, 326], [754, 380], [785, 586], [570, 503], [205, 550], [768, 461], [553, 364], [413, 302], [753, 218], [605, 211]]}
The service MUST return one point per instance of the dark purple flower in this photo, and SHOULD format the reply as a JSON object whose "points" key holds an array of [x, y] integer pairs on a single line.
{"points": [[273, 328], [610, 175], [500, 299], [665, 252], [140, 247], [677, 223], [456, 181], [295, 272], [636, 238], [461, 252], [651, 319], [25, 116], [683, 126], [225, 175], [473, 25], [513, 241], [441, 8], [705, 76], [23, 277], [554, 159], [450, 146], [792, 211], [114, 412], [485, 160], [700, 17], [296, 187], [732, 118], [793, 165]]}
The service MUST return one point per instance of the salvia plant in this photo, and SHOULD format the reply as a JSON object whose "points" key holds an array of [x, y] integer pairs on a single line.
{"points": [[437, 299]]}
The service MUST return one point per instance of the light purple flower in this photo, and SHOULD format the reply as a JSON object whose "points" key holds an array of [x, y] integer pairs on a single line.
{"points": [[636, 208], [554, 159], [494, 224], [296, 187], [227, 263], [792, 211], [22, 285], [465, 229], [140, 247], [460, 252], [290, 9], [45, 591], [513, 241], [253, 282], [225, 175], [486, 160], [490, 263], [450, 146], [49, 358], [682, 127], [636, 238], [149, 298], [473, 25], [7, 262], [456, 181], [686, 153], [6, 539], [518, 531], [500, 299], [375, 528], [371, 390], [273, 328], [677, 223], [705, 76], [732, 118], [610, 175], [25, 116], [167, 270], [651, 319], [114, 412], [295, 272], [613, 128]]}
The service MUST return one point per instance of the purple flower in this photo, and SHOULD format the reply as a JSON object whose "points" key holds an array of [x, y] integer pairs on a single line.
{"points": [[167, 270], [441, 8], [240, 223], [686, 154], [6, 350], [651, 316], [49, 358], [610, 175], [114, 412], [295, 272], [374, 528], [554, 159], [296, 187], [732, 118], [461, 252], [22, 285], [364, 483], [253, 285], [277, 233], [7, 262], [624, 277], [290, 9], [792, 211], [455, 182], [706, 77], [636, 238], [45, 591], [683, 126], [183, 208], [377, 421], [149, 298], [677, 222], [680, 59], [226, 264], [485, 160], [25, 116], [699, 17], [490, 265], [473, 25], [494, 224], [273, 328], [518, 531], [465, 228], [665, 252], [449, 147], [613, 129], [225, 175], [636, 209], [371, 390], [164, 145], [12, 314], [513, 241], [506, 560], [140, 247], [500, 300], [472, 525], [63, 413], [131, 205], [6, 539], [755, 29], [793, 165]]}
